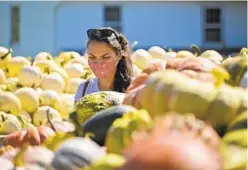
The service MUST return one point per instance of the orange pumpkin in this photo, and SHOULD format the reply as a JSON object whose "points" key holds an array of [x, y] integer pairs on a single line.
{"points": [[139, 80], [175, 144], [196, 64], [31, 135]]}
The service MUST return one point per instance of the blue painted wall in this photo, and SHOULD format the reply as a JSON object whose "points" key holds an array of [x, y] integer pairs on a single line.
{"points": [[4, 24], [170, 24], [54, 26], [235, 24]]}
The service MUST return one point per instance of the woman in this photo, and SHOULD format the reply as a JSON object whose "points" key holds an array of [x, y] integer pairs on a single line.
{"points": [[109, 58]]}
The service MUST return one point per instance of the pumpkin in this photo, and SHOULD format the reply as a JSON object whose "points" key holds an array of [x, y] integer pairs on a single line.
{"points": [[92, 103], [76, 153], [24, 157], [104, 120], [197, 68], [37, 135], [196, 64], [139, 80], [174, 143], [15, 64], [30, 76], [234, 150], [62, 126], [141, 58], [108, 162], [53, 81], [240, 122], [32, 135], [236, 67], [121, 131], [202, 76], [5, 56], [213, 56], [2, 76], [244, 80], [5, 149], [43, 56], [172, 91], [185, 54], [10, 154], [42, 156], [6, 164], [157, 52]]}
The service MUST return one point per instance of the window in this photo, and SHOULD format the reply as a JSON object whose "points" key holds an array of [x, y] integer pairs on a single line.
{"points": [[112, 17], [15, 24], [213, 15], [213, 25], [213, 35]]}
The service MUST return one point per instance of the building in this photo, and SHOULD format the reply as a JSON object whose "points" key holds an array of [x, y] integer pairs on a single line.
{"points": [[31, 27]]}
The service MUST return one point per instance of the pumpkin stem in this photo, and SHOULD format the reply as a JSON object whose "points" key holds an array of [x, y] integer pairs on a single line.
{"points": [[18, 85], [3, 118], [49, 121], [134, 44], [46, 70], [48, 57], [196, 49], [5, 55]]}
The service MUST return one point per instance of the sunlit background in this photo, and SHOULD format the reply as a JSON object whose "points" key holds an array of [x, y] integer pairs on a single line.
{"points": [[31, 27]]}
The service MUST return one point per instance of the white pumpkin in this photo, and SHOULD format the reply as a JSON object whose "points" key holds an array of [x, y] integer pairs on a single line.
{"points": [[73, 85], [29, 99], [157, 52], [2, 76], [48, 98], [53, 81], [10, 103], [75, 70], [15, 65], [43, 56], [40, 116], [30, 76], [141, 58]]}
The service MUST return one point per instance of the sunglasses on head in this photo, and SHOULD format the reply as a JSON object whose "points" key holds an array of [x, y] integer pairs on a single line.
{"points": [[100, 33]]}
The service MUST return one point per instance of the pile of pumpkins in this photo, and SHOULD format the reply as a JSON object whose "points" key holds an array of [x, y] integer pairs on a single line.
{"points": [[179, 105]]}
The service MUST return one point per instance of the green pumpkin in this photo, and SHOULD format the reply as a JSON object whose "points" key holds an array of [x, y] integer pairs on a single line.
{"points": [[240, 122], [224, 108], [122, 129], [104, 120], [192, 97], [92, 103], [108, 162], [236, 67], [234, 150]]}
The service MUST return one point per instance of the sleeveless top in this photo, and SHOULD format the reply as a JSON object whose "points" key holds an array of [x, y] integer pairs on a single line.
{"points": [[87, 88]]}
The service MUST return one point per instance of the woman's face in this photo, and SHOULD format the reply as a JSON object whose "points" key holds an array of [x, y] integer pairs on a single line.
{"points": [[102, 59]]}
